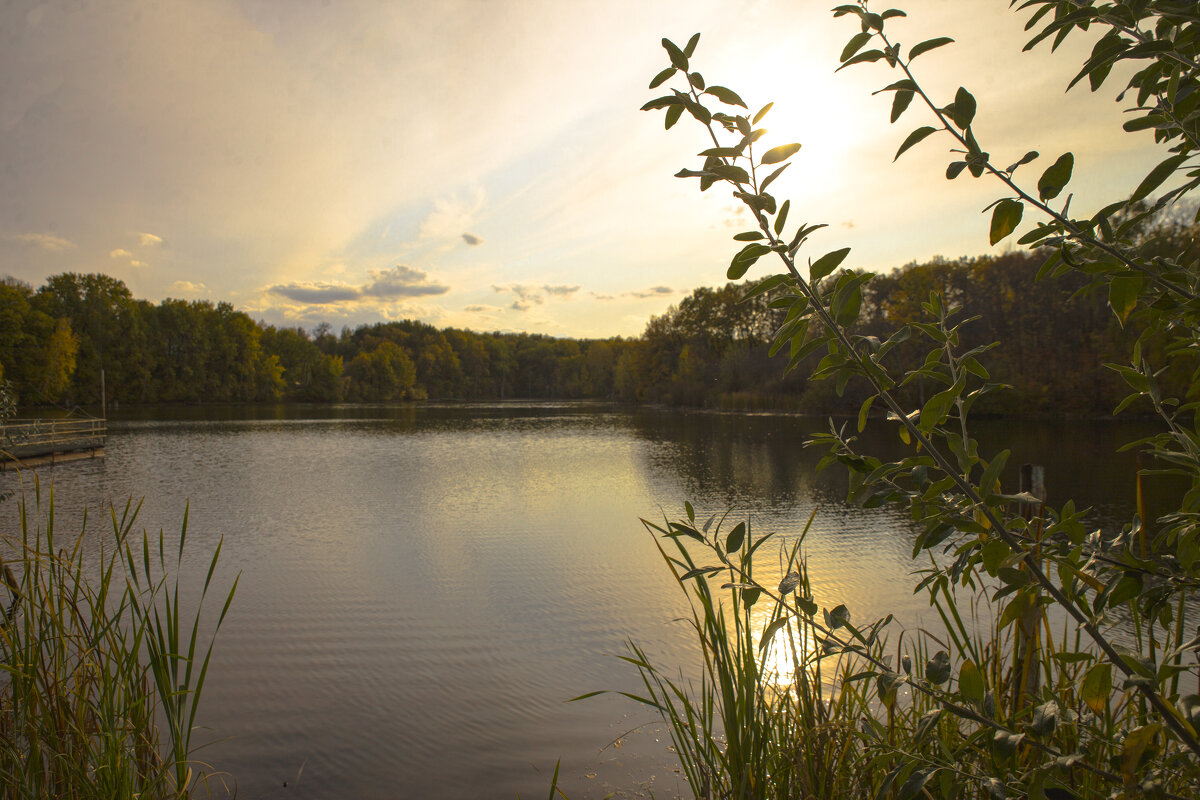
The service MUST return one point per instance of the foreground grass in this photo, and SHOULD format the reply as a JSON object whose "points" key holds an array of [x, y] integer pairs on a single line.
{"points": [[101, 671]]}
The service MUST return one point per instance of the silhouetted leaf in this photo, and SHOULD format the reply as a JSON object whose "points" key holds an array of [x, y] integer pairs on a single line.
{"points": [[1156, 177], [913, 138], [780, 153], [1056, 177], [726, 96], [1005, 219], [927, 45], [662, 77]]}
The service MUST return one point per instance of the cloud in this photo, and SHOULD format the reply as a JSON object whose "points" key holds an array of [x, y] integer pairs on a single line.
{"points": [[147, 239], [44, 241], [472, 239], [561, 291], [135, 263], [121, 252], [451, 216], [316, 293], [387, 284], [482, 309], [527, 295], [654, 291], [517, 305], [599, 296], [401, 281], [188, 287]]}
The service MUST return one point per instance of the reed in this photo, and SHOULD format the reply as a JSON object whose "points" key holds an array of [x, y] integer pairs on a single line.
{"points": [[101, 670]]}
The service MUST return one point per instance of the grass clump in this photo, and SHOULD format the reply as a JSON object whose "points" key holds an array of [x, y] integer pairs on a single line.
{"points": [[101, 671]]}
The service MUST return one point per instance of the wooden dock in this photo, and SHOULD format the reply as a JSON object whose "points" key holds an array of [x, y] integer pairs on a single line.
{"points": [[34, 442]]}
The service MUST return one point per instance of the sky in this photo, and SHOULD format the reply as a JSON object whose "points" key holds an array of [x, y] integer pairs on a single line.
{"points": [[484, 164]]}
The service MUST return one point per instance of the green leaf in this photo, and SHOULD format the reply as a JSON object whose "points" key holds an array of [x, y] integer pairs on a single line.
{"points": [[865, 56], [748, 236], [1123, 291], [864, 411], [762, 187], [733, 542], [1005, 219], [781, 218], [691, 45], [672, 116], [770, 632], [662, 77], [726, 96], [855, 44], [826, 264], [780, 153], [994, 552], [971, 682], [1056, 178], [663, 102], [991, 475], [745, 259], [937, 669], [927, 45], [900, 102], [913, 138], [938, 407], [955, 169], [1156, 177], [962, 110], [762, 112], [1139, 743], [1005, 743], [1025, 159], [847, 302], [678, 59], [1022, 601]]}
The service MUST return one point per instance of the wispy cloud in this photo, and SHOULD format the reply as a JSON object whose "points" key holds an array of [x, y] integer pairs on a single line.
{"points": [[187, 287], [654, 291], [148, 239], [472, 239], [480, 308], [453, 215], [120, 252], [43, 241], [561, 291]]}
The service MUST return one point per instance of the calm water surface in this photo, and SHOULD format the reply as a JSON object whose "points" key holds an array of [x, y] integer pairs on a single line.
{"points": [[422, 588]]}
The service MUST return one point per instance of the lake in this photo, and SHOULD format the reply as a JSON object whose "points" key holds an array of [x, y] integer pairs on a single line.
{"points": [[423, 587]]}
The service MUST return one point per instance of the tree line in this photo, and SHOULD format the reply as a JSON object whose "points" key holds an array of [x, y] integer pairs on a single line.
{"points": [[709, 350]]}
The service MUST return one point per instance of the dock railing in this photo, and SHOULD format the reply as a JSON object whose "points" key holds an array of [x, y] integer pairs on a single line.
{"points": [[48, 440]]}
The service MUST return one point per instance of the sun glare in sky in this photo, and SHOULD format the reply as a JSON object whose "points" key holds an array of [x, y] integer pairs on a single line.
{"points": [[484, 164]]}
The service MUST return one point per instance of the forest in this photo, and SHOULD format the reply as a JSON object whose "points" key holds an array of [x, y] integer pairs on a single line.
{"points": [[710, 350]]}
